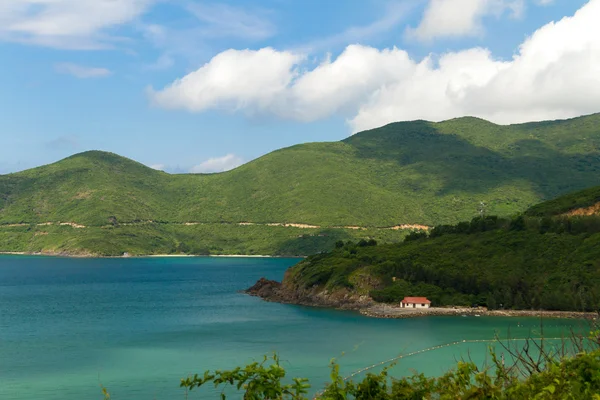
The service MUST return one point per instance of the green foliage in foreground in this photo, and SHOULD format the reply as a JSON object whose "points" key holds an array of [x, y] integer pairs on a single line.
{"points": [[520, 263], [534, 370], [547, 377]]}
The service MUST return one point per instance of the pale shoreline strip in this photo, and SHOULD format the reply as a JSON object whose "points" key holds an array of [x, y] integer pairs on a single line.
{"points": [[22, 253], [208, 255]]}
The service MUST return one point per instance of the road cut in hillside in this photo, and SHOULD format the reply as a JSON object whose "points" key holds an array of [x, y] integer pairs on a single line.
{"points": [[273, 224]]}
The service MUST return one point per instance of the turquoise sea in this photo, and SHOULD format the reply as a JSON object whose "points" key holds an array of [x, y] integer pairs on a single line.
{"points": [[139, 325]]}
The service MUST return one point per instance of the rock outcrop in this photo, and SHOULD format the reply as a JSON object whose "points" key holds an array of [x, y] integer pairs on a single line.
{"points": [[291, 293], [264, 288]]}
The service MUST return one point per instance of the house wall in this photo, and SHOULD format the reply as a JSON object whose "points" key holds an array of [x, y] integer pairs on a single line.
{"points": [[415, 306]]}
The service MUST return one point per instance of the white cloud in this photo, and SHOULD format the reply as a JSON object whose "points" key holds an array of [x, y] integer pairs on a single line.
{"points": [[543, 2], [266, 81], [430, 91], [218, 164], [556, 74], [341, 85], [234, 79], [69, 24], [81, 71], [158, 167], [455, 18]]}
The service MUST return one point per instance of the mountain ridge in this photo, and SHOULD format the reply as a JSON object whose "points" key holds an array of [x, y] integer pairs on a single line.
{"points": [[96, 153], [406, 173]]}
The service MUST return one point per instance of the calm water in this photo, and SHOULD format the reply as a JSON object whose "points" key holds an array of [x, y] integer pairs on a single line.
{"points": [[137, 326]]}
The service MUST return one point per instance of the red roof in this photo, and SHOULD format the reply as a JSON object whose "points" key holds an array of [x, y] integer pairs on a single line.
{"points": [[416, 300]]}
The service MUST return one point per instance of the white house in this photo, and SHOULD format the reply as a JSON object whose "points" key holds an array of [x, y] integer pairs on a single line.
{"points": [[415, 302]]}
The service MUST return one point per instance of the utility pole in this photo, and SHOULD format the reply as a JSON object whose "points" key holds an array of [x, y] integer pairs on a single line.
{"points": [[482, 207]]}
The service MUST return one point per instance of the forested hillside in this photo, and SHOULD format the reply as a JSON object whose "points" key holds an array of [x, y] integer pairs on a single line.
{"points": [[405, 173], [524, 262]]}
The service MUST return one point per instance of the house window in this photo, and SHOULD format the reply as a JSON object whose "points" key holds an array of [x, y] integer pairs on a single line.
{"points": [[422, 305]]}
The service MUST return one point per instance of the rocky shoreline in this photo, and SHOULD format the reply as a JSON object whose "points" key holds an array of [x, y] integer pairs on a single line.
{"points": [[286, 293], [343, 299]]}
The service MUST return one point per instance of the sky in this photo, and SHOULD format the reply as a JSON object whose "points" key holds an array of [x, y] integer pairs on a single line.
{"points": [[204, 86]]}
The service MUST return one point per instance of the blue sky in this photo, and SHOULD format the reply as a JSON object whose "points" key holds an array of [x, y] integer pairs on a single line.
{"points": [[200, 86]]}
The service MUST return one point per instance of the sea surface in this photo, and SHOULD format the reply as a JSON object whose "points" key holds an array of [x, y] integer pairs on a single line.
{"points": [[137, 326]]}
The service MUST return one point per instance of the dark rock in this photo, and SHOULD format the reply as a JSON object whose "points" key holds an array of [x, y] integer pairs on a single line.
{"points": [[264, 288], [290, 293]]}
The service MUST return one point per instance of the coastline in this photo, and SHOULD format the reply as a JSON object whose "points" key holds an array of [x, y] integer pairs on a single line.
{"points": [[71, 255], [218, 255], [286, 293], [385, 311]]}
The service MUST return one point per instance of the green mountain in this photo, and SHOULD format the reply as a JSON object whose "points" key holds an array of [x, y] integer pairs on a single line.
{"points": [[528, 261], [402, 174]]}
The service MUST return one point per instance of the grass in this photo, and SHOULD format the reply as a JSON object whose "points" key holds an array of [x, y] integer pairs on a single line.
{"points": [[205, 239], [404, 173]]}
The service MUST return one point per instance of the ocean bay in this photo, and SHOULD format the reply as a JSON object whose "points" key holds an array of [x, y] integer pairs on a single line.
{"points": [[139, 325]]}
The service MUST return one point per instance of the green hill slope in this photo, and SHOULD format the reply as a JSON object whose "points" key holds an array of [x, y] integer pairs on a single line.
{"points": [[404, 173], [86, 188], [584, 202], [520, 263], [411, 173]]}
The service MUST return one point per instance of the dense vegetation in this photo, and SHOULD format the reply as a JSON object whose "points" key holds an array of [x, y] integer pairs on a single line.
{"points": [[521, 263], [404, 173], [534, 371]]}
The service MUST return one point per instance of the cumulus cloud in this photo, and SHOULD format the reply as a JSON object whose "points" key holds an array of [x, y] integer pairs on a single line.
{"points": [[267, 80], [70, 24], [80, 71], [455, 18], [234, 79], [218, 164], [555, 74], [342, 84]]}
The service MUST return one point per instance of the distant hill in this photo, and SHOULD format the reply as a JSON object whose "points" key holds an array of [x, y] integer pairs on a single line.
{"points": [[404, 173]]}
